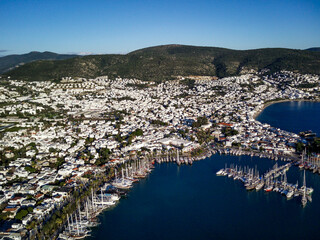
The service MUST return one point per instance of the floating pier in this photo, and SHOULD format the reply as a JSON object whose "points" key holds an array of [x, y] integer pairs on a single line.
{"points": [[274, 180]]}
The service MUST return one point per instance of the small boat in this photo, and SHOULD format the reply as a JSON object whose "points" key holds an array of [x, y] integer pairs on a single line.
{"points": [[251, 187], [259, 185], [276, 189], [304, 199], [221, 172], [290, 194], [268, 189]]}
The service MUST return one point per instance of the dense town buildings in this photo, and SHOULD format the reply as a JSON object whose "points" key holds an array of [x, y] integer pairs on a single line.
{"points": [[55, 134]]}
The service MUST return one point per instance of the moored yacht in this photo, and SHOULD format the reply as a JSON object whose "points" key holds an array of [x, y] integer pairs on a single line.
{"points": [[260, 185]]}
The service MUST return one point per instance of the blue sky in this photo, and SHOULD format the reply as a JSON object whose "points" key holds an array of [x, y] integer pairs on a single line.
{"points": [[118, 26]]}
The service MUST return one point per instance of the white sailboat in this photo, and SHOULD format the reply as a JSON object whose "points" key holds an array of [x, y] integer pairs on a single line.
{"points": [[304, 199], [178, 161]]}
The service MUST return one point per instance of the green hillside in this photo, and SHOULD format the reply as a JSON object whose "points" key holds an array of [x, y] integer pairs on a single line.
{"points": [[314, 49], [11, 61], [165, 62]]}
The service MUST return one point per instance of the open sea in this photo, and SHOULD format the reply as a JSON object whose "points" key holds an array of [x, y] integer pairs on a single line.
{"points": [[191, 202]]}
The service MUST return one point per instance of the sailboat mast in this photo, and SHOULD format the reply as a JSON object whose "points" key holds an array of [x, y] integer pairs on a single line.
{"points": [[79, 217], [77, 225], [68, 223]]}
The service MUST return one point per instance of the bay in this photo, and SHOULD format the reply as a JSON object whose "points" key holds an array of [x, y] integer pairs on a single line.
{"points": [[191, 202], [294, 116]]}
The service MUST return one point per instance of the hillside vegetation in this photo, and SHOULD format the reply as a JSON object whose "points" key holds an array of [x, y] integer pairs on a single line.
{"points": [[168, 61], [11, 61], [314, 49]]}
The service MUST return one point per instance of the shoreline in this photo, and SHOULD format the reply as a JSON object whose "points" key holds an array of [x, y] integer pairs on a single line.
{"points": [[265, 105], [208, 155]]}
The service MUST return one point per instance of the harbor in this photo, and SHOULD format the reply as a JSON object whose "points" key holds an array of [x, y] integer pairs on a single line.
{"points": [[273, 180], [194, 191], [85, 217], [135, 121], [278, 183], [127, 176]]}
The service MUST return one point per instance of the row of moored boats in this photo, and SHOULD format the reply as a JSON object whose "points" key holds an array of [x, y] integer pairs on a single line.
{"points": [[273, 180], [84, 218]]}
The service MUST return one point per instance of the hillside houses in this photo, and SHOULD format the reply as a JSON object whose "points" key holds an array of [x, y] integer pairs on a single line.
{"points": [[65, 129]]}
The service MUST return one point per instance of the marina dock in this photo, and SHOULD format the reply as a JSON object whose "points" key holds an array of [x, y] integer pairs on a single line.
{"points": [[274, 180], [127, 174]]}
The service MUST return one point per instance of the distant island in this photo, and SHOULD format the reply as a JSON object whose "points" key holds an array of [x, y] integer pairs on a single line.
{"points": [[167, 62]]}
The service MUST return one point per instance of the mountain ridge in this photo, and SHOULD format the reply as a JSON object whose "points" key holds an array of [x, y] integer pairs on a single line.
{"points": [[165, 62], [314, 49], [11, 61]]}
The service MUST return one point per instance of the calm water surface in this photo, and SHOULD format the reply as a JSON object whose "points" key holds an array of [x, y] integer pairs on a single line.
{"points": [[191, 202], [293, 116]]}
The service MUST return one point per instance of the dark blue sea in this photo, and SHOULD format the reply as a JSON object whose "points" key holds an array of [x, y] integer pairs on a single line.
{"points": [[191, 202], [293, 116]]}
